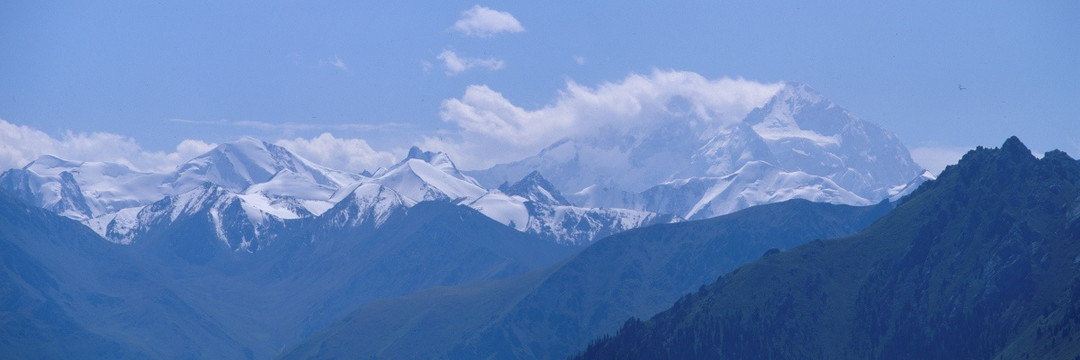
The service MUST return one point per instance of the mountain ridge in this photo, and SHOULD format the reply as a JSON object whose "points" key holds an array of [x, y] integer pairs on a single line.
{"points": [[987, 251], [552, 312]]}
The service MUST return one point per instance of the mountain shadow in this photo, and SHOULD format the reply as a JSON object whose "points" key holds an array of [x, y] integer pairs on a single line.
{"points": [[554, 312], [980, 264], [67, 293]]}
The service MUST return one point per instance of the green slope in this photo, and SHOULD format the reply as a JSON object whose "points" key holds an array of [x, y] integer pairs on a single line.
{"points": [[553, 312], [981, 263]]}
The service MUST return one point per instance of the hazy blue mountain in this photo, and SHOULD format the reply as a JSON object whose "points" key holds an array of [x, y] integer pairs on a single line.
{"points": [[978, 264], [323, 270], [67, 293], [554, 312], [181, 293]]}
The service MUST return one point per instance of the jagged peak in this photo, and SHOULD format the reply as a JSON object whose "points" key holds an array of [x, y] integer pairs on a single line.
{"points": [[416, 153], [438, 159], [1015, 147], [430, 157], [535, 187]]}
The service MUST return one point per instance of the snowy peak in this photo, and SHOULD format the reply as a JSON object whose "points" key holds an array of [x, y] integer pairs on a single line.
{"points": [[239, 222], [367, 203], [438, 160], [48, 165], [240, 164], [428, 176], [810, 134], [797, 145], [88, 189], [427, 156], [728, 151], [536, 188], [798, 111]]}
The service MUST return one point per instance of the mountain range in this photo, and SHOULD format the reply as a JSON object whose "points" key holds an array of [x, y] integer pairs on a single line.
{"points": [[798, 146], [248, 249], [978, 264]]}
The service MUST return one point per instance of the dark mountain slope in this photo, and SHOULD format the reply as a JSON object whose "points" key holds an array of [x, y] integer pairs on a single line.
{"points": [[553, 312], [981, 263], [319, 274], [67, 293]]}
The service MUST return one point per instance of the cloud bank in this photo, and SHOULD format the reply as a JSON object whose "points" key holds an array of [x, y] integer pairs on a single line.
{"points": [[492, 129], [20, 145], [353, 155], [483, 22], [456, 64]]}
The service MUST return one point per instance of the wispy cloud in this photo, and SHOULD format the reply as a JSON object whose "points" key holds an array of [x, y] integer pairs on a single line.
{"points": [[292, 127], [344, 154], [483, 22], [580, 60], [337, 63], [487, 120], [20, 145], [457, 64]]}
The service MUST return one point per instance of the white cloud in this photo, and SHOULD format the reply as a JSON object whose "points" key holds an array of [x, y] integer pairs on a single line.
{"points": [[483, 22], [936, 158], [20, 145], [456, 64], [288, 128], [580, 60], [343, 154], [488, 121], [336, 62]]}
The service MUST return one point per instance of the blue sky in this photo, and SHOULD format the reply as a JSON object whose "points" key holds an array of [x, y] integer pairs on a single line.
{"points": [[156, 82]]}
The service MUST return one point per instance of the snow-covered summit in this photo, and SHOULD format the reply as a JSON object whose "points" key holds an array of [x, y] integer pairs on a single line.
{"points": [[680, 165], [239, 164], [536, 188], [664, 166], [82, 190], [427, 175]]}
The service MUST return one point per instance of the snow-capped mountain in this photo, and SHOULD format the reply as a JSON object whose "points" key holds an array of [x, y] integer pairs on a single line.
{"points": [[250, 184], [244, 190], [244, 193], [242, 222], [798, 145], [534, 206], [425, 175], [82, 190], [238, 165], [531, 205]]}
